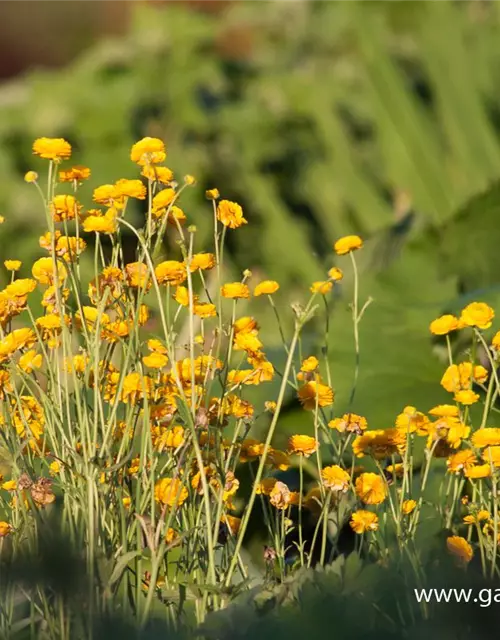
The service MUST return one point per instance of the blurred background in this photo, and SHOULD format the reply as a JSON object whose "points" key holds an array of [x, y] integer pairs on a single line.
{"points": [[320, 118]]}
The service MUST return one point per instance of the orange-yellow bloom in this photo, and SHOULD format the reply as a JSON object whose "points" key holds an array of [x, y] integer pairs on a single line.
{"points": [[335, 274], [202, 261], [335, 478], [170, 492], [444, 325], [371, 488], [235, 290], [43, 271], [477, 314], [302, 445], [172, 272], [350, 422], [64, 207], [363, 521], [347, 244], [52, 148], [148, 151], [460, 548], [408, 506], [266, 287], [12, 265], [75, 174], [131, 189], [315, 392], [322, 287], [230, 214]]}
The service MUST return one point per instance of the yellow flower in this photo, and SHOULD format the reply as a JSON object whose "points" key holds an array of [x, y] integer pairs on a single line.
{"points": [[443, 325], [212, 194], [444, 411], [481, 515], [397, 470], [54, 467], [162, 175], [9, 485], [460, 548], [230, 214], [235, 290], [459, 377], [69, 247], [176, 215], [315, 392], [5, 384], [31, 176], [17, 339], [408, 506], [52, 148], [12, 265], [461, 461], [75, 174], [108, 195], [92, 317], [347, 244], [335, 274], [138, 275], [251, 449], [202, 261], [412, 420], [491, 455], [171, 492], [30, 360], [266, 287], [486, 437], [43, 271], [248, 342], [309, 364], [5, 528], [335, 478], [371, 488], [148, 151], [349, 422], [466, 396], [280, 496], [478, 471], [162, 200], [172, 272], [64, 207], [100, 224], [205, 310], [131, 189], [20, 288], [302, 445], [136, 387], [363, 521], [157, 345], [155, 360], [189, 180], [322, 287], [477, 314], [265, 486], [450, 431]]}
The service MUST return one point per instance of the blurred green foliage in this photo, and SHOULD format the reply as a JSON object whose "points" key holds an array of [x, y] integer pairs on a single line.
{"points": [[350, 599], [321, 119]]}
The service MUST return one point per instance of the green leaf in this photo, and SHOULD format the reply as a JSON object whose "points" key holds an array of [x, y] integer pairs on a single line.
{"points": [[121, 564]]}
